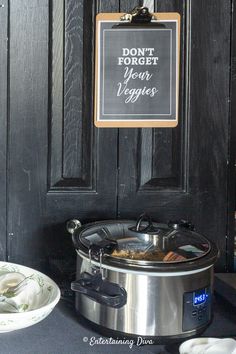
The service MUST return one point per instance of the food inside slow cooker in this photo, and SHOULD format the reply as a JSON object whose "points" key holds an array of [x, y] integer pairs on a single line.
{"points": [[173, 257], [155, 255]]}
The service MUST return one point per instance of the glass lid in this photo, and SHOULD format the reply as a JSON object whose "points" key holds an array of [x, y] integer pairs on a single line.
{"points": [[150, 243]]}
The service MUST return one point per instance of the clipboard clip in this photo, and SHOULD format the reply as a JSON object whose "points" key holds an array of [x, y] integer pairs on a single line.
{"points": [[140, 14]]}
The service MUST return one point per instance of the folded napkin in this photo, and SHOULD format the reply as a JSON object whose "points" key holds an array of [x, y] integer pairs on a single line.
{"points": [[208, 346], [18, 293]]}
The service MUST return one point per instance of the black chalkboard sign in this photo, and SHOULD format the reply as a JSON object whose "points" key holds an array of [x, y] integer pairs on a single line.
{"points": [[137, 72]]}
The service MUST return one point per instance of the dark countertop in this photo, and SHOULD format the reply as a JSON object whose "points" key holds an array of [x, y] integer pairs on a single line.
{"points": [[63, 333]]}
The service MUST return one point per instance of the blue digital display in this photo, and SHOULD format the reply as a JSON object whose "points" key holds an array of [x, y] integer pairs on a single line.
{"points": [[199, 297]]}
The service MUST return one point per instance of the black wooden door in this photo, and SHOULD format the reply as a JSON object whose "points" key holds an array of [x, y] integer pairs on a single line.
{"points": [[59, 166]]}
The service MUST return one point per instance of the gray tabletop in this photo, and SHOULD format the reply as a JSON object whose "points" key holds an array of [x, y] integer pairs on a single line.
{"points": [[62, 332]]}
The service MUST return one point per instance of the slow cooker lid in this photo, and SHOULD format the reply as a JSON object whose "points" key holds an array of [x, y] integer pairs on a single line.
{"points": [[154, 243]]}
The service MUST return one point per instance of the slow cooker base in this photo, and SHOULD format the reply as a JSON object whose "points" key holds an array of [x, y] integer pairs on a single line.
{"points": [[162, 340]]}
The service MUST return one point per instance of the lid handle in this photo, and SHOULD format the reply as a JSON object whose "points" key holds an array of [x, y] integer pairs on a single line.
{"points": [[143, 217]]}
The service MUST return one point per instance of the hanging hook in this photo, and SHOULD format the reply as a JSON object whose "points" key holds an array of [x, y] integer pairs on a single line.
{"points": [[138, 15]]}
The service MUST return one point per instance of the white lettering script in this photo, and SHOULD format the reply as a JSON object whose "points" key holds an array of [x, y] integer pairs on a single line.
{"points": [[140, 57]]}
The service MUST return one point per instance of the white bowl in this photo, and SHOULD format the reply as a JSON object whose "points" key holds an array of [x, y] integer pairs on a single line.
{"points": [[204, 345], [45, 301]]}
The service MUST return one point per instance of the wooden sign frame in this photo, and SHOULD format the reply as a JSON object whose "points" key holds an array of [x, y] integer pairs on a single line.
{"points": [[135, 120]]}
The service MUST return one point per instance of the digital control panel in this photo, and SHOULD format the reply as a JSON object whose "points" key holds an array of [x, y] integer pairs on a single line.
{"points": [[200, 297], [196, 309]]}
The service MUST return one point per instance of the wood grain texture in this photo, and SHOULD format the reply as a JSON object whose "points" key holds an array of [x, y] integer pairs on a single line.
{"points": [[232, 150], [169, 5], [28, 131], [210, 59], [162, 156], [73, 152], [56, 77], [108, 6], [146, 156], [127, 6], [160, 163], [3, 126]]}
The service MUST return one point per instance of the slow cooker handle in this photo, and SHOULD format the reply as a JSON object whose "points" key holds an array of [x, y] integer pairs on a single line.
{"points": [[100, 290], [181, 223], [72, 225], [142, 218]]}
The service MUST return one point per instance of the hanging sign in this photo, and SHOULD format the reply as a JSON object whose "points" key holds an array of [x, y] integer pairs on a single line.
{"points": [[137, 72]]}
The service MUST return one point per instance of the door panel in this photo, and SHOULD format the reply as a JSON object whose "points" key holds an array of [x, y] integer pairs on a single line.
{"points": [[71, 154]]}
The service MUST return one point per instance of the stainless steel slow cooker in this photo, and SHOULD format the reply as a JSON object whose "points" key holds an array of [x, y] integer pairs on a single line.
{"points": [[144, 278]]}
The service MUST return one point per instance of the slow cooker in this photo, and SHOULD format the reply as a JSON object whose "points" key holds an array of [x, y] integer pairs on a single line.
{"points": [[143, 278]]}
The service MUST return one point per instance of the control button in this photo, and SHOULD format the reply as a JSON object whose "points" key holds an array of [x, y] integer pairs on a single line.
{"points": [[200, 311], [194, 313], [200, 317]]}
